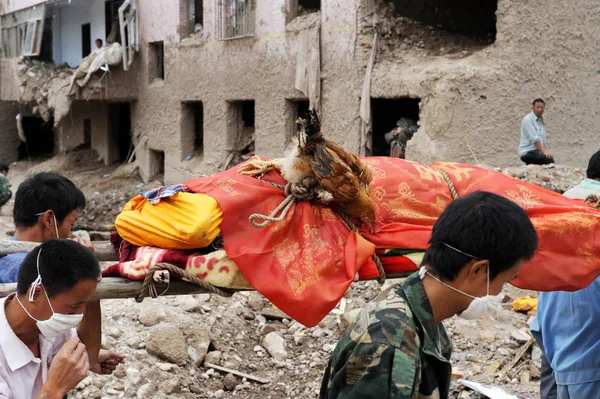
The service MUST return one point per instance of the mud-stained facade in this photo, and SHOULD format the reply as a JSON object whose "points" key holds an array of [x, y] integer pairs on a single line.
{"points": [[197, 100]]}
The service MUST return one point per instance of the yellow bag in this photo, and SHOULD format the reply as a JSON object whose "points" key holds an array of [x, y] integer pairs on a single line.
{"points": [[182, 221]]}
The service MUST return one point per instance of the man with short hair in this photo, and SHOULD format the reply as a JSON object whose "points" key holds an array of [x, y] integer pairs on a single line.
{"points": [[50, 330], [5, 193], [397, 347], [533, 147], [571, 359], [99, 44], [46, 207]]}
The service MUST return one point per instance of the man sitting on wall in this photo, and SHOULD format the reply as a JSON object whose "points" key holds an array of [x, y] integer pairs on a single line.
{"points": [[46, 207], [533, 147], [42, 355]]}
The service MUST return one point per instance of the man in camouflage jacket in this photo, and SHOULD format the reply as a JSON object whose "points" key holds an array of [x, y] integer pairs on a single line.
{"points": [[5, 193], [397, 347]]}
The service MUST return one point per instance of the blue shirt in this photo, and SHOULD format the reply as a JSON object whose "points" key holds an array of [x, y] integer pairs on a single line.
{"points": [[533, 129], [568, 324], [9, 267]]}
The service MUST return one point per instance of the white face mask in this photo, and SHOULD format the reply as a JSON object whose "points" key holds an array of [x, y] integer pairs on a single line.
{"points": [[479, 306], [58, 324]]}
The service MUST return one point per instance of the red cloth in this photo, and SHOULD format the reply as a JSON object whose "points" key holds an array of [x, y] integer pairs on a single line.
{"points": [[305, 264]]}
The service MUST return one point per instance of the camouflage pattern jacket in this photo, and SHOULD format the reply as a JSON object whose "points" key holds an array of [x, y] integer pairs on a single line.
{"points": [[5, 193], [392, 350]]}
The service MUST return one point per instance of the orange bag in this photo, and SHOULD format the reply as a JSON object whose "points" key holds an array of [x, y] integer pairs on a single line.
{"points": [[182, 221]]}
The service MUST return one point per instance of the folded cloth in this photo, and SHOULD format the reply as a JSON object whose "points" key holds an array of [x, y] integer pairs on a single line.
{"points": [[215, 268]]}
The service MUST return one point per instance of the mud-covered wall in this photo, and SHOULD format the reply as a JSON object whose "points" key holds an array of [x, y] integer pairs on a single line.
{"points": [[473, 99], [261, 68], [9, 139]]}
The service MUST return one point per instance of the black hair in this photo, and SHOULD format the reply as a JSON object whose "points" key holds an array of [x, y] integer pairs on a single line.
{"points": [[3, 167], [486, 226], [63, 264], [99, 40], [46, 191], [593, 170], [538, 100]]}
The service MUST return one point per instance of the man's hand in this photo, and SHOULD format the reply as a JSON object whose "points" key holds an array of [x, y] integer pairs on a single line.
{"points": [[548, 154], [68, 368], [107, 362], [83, 242]]}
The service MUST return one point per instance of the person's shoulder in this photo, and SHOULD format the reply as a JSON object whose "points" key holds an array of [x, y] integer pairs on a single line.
{"points": [[388, 319], [528, 116]]}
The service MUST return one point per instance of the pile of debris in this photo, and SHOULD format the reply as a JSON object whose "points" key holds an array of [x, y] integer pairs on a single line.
{"points": [[50, 89], [556, 178], [45, 87], [397, 32]]}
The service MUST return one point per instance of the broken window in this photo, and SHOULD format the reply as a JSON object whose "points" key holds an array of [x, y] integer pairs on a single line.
{"points": [[46, 51], [156, 60], [192, 126], [22, 32], [40, 138], [235, 18], [240, 131], [393, 122], [195, 16], [308, 6], [157, 164], [87, 133], [129, 34], [469, 17]]}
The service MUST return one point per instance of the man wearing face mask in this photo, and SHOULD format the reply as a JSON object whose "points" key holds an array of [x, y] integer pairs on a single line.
{"points": [[50, 330], [397, 347], [46, 207]]}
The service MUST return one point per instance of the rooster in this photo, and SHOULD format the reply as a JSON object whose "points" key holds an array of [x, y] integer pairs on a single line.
{"points": [[341, 176]]}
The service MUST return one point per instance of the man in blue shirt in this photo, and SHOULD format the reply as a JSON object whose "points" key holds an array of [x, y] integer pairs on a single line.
{"points": [[46, 206], [533, 147], [566, 326]]}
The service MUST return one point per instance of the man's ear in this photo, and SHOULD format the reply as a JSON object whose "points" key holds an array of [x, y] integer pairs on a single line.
{"points": [[478, 269], [37, 290]]}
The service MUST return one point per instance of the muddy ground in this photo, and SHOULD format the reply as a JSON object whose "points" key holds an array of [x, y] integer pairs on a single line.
{"points": [[168, 340]]}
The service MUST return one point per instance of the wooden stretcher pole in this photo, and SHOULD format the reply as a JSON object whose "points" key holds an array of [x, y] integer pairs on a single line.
{"points": [[121, 288], [103, 249]]}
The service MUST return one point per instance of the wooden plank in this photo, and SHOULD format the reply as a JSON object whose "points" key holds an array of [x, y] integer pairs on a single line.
{"points": [[238, 373], [104, 250], [121, 288]]}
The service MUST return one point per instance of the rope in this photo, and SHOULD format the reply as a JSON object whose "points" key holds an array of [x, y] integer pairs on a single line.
{"points": [[449, 182], [149, 287], [305, 191]]}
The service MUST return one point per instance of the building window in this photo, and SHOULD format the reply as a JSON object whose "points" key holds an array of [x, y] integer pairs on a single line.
{"points": [[195, 16], [390, 116], [308, 6], [87, 133], [21, 32], [157, 164], [235, 19], [156, 61], [192, 127]]}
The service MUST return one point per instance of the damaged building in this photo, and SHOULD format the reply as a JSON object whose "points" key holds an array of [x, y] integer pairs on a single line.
{"points": [[200, 85]]}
